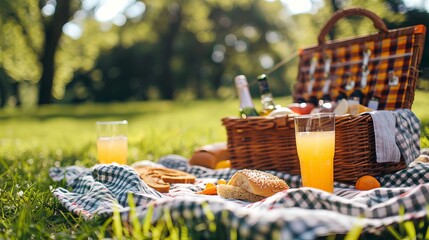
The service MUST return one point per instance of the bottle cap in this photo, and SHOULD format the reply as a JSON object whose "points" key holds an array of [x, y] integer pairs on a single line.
{"points": [[263, 84], [262, 77], [241, 81]]}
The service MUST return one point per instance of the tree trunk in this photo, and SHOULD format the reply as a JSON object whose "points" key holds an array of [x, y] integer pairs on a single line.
{"points": [[195, 61], [53, 32], [15, 92], [167, 41], [335, 8], [4, 86]]}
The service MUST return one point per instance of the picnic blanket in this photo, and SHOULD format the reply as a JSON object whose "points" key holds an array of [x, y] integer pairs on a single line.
{"points": [[297, 213]]}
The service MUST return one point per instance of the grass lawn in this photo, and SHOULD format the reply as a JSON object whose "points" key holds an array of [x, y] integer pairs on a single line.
{"points": [[33, 140]]}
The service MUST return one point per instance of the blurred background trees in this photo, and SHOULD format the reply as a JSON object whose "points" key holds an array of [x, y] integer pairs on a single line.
{"points": [[72, 51]]}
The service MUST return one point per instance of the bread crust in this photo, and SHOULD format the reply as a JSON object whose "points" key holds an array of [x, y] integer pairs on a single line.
{"points": [[258, 182], [161, 178], [155, 181], [209, 155], [233, 192]]}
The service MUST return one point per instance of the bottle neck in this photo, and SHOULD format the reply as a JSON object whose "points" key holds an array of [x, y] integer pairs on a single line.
{"points": [[263, 86], [245, 97], [266, 95], [267, 101]]}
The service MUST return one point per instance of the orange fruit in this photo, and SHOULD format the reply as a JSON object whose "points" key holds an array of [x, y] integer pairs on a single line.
{"points": [[210, 185], [367, 183], [221, 181], [223, 164]]}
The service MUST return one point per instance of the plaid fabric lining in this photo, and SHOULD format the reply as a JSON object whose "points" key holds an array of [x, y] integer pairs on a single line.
{"points": [[298, 213], [407, 134], [391, 69]]}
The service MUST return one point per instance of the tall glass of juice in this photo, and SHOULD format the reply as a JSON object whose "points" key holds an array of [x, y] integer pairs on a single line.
{"points": [[112, 142], [315, 143]]}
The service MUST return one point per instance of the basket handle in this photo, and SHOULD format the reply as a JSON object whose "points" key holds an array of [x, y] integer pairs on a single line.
{"points": [[378, 22]]}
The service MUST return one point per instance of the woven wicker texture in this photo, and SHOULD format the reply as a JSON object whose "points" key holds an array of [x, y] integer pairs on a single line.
{"points": [[269, 144], [391, 69]]}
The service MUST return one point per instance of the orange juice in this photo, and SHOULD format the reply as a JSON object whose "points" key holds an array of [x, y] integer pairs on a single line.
{"points": [[112, 149], [316, 156]]}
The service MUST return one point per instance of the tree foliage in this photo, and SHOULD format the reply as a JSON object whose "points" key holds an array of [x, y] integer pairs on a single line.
{"points": [[170, 49]]}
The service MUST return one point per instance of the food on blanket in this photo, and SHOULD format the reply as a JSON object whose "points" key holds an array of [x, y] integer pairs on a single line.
{"points": [[209, 191], [153, 180], [232, 192], [221, 181], [211, 188], [421, 159], [161, 178], [173, 175], [251, 185], [301, 108], [210, 185], [209, 155], [367, 183], [223, 164]]}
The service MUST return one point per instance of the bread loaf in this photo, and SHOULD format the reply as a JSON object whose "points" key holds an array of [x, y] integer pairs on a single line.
{"points": [[252, 185], [161, 178], [209, 155], [232, 192]]}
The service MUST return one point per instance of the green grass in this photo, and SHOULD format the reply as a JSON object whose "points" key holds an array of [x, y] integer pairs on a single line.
{"points": [[33, 140]]}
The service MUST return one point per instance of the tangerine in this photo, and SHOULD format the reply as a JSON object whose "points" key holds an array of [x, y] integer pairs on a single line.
{"points": [[210, 185], [367, 183], [223, 164], [221, 181]]}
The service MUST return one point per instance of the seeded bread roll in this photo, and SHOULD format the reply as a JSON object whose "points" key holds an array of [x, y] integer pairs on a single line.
{"points": [[252, 185], [232, 192]]}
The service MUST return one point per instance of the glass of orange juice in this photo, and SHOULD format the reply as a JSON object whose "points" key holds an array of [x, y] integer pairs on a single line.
{"points": [[315, 143], [112, 142]]}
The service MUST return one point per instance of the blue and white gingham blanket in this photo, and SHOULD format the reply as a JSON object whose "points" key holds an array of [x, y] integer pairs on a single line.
{"points": [[297, 213]]}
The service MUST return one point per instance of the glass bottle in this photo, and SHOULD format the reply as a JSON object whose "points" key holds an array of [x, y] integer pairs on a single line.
{"points": [[247, 109], [373, 103], [266, 95]]}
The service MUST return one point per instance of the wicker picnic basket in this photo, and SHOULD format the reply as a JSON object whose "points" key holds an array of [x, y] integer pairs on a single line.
{"points": [[268, 143]]}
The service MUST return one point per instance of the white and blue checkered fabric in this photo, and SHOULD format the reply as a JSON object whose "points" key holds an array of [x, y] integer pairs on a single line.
{"points": [[297, 213]]}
